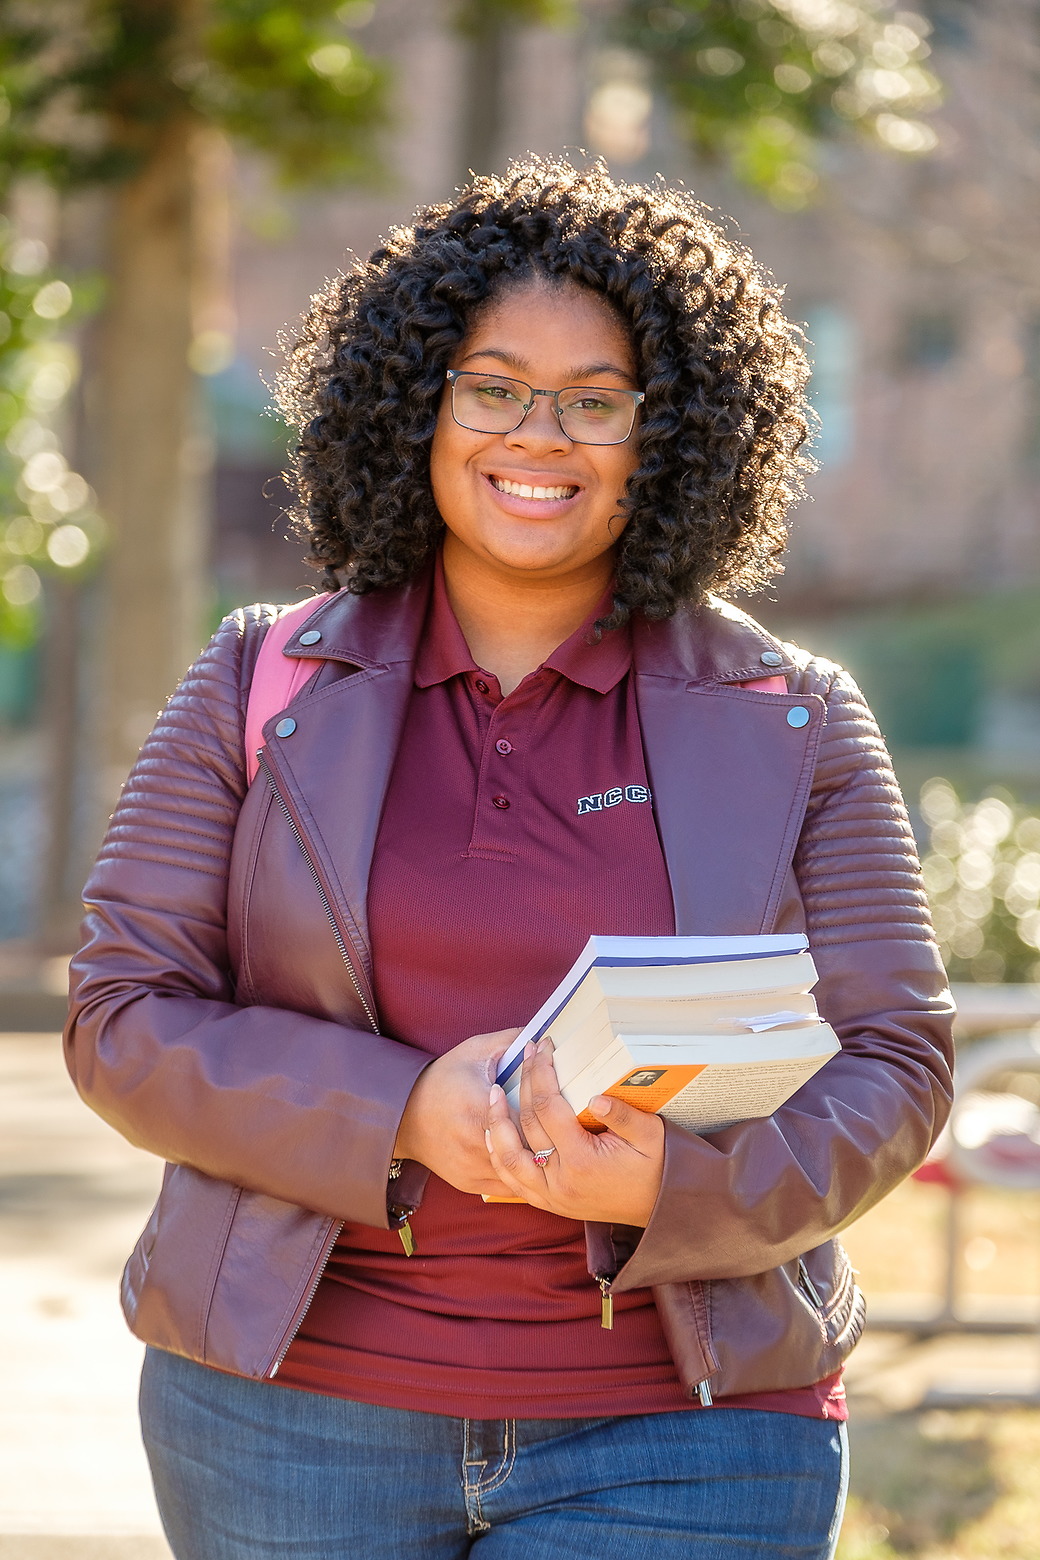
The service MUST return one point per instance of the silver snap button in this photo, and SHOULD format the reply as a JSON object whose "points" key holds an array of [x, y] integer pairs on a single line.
{"points": [[286, 727], [311, 637], [771, 658], [799, 716]]}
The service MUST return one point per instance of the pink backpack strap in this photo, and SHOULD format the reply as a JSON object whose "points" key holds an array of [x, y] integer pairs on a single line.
{"points": [[766, 685], [277, 678]]}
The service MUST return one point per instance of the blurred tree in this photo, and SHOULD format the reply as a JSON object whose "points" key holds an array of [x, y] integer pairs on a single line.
{"points": [[762, 84], [758, 84], [47, 517], [982, 873], [140, 96], [49, 526], [486, 27]]}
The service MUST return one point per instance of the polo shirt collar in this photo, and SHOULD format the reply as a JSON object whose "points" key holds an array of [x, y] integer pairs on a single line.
{"points": [[443, 651], [599, 666]]}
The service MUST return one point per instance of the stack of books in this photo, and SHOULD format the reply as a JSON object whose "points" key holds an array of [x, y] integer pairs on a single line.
{"points": [[706, 1031]]}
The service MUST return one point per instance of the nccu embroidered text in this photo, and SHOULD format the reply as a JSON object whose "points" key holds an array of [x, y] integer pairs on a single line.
{"points": [[611, 798]]}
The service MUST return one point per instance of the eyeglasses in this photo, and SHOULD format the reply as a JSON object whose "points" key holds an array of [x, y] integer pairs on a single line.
{"points": [[587, 414]]}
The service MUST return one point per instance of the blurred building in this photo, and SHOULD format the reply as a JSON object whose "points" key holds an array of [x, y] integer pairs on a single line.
{"points": [[917, 558], [916, 278]]}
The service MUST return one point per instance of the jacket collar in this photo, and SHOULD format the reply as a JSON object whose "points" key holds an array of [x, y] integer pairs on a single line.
{"points": [[713, 643], [378, 629]]}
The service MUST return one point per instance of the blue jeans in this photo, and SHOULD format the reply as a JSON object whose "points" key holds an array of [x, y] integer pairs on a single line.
{"points": [[247, 1470]]}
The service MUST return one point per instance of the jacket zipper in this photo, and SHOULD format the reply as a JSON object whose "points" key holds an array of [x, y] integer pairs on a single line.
{"points": [[401, 1213], [311, 1292]]}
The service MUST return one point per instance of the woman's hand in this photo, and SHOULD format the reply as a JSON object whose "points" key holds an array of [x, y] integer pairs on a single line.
{"points": [[447, 1112], [610, 1177]]}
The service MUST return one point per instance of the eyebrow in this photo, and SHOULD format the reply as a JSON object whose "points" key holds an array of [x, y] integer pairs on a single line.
{"points": [[579, 371]]}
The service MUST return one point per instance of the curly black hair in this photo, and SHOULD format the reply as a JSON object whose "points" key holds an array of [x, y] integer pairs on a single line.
{"points": [[722, 438]]}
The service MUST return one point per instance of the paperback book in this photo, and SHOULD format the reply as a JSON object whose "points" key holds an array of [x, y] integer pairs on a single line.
{"points": [[706, 1031]]}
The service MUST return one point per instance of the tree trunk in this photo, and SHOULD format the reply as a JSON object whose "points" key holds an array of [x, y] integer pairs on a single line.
{"points": [[59, 907], [482, 108], [153, 460]]}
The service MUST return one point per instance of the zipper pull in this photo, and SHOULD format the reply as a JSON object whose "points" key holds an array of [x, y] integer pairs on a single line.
{"points": [[400, 1214], [606, 1314], [704, 1393], [404, 1229]]}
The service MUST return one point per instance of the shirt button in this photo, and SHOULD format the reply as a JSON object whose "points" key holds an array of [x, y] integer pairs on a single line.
{"points": [[503, 747], [500, 801], [482, 686]]}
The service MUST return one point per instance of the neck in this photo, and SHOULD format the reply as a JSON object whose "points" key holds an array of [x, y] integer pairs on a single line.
{"points": [[512, 625]]}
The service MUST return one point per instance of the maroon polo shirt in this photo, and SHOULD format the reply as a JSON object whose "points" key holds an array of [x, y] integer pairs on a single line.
{"points": [[512, 829]]}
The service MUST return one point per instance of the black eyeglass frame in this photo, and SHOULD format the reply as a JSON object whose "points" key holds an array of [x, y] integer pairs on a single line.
{"points": [[637, 397]]}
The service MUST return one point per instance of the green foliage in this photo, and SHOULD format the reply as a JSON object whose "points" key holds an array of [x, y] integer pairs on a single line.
{"points": [[982, 874], [474, 16], [87, 85], [285, 78], [47, 517], [86, 88], [761, 84]]}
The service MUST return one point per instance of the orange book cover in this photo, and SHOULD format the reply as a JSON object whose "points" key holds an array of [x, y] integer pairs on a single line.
{"points": [[647, 1088]]}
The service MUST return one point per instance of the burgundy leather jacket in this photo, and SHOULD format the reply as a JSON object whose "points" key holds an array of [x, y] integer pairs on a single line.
{"points": [[223, 1016]]}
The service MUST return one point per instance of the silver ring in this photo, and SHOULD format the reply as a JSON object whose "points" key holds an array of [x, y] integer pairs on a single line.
{"points": [[541, 1156]]}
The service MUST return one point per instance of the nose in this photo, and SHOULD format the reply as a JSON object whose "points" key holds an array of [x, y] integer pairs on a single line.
{"points": [[540, 429]]}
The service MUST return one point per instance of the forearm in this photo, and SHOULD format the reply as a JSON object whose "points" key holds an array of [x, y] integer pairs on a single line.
{"points": [[751, 1197], [747, 1199], [293, 1106]]}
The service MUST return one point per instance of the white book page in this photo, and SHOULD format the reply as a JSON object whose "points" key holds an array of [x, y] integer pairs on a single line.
{"points": [[704, 1016], [747, 1050], [663, 954], [722, 1096], [781, 975]]}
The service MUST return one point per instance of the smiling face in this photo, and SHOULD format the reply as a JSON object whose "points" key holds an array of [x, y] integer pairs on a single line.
{"points": [[532, 505]]}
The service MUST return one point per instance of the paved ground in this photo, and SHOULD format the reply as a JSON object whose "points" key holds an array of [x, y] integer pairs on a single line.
{"points": [[73, 1196]]}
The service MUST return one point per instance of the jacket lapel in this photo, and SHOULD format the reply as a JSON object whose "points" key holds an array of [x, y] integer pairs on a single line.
{"points": [[333, 768], [730, 774]]}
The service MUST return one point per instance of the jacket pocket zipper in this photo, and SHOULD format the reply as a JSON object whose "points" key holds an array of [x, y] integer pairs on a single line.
{"points": [[337, 934]]}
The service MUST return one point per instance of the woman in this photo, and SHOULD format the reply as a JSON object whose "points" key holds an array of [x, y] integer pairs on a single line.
{"points": [[536, 428]]}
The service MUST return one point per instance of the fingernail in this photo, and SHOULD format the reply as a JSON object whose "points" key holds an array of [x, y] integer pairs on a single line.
{"points": [[496, 1093], [600, 1106], [487, 1140]]}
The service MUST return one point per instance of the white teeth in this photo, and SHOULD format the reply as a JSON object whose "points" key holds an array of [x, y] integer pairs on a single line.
{"points": [[522, 490]]}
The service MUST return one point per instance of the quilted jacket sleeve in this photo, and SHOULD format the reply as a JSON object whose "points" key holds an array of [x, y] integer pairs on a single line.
{"points": [[155, 1043], [745, 1200]]}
